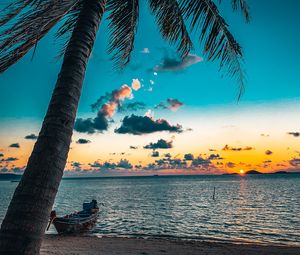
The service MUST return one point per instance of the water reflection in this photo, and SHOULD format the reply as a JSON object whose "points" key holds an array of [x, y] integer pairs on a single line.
{"points": [[257, 208]]}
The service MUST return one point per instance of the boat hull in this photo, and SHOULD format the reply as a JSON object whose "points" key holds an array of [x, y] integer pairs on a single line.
{"points": [[65, 225]]}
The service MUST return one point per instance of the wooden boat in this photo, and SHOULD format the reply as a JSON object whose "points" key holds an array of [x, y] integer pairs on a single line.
{"points": [[78, 222]]}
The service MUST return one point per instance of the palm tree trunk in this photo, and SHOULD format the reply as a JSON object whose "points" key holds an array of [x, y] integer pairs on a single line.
{"points": [[28, 213]]}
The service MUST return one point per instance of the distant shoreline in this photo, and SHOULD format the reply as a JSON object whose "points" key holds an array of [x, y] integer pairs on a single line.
{"points": [[89, 245], [17, 177]]}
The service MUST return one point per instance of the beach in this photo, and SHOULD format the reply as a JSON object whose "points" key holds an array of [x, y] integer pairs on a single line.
{"points": [[90, 245]]}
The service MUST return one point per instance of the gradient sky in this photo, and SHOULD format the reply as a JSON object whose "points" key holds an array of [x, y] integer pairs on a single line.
{"points": [[255, 130]]}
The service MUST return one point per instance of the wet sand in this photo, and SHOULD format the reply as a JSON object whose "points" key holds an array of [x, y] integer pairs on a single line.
{"points": [[87, 245]]}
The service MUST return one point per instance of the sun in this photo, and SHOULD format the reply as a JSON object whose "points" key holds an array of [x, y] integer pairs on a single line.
{"points": [[242, 171]]}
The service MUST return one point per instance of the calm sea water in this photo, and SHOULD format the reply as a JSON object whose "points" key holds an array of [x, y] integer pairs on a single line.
{"points": [[251, 208]]}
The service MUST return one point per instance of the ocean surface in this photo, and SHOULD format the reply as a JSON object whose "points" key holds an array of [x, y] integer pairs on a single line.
{"points": [[264, 208]]}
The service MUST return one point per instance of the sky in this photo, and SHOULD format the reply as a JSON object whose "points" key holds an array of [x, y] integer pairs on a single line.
{"points": [[191, 120]]}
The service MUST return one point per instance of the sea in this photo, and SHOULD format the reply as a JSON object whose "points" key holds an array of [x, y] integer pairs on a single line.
{"points": [[256, 208]]}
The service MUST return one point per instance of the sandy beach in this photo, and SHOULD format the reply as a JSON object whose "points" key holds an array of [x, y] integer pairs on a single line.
{"points": [[86, 245]]}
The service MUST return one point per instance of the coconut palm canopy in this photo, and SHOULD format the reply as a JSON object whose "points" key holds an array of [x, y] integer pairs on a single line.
{"points": [[25, 22]]}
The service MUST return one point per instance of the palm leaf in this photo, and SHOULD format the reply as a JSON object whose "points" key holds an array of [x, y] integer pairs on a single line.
{"points": [[33, 25], [123, 20], [69, 23], [171, 23], [243, 6], [218, 42], [13, 9]]}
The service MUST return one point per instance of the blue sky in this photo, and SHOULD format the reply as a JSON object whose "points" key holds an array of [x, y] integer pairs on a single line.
{"points": [[270, 44], [271, 53]]}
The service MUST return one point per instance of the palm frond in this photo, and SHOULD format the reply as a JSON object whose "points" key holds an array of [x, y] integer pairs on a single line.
{"points": [[123, 21], [243, 6], [171, 23], [13, 9], [34, 24], [218, 42], [69, 23]]}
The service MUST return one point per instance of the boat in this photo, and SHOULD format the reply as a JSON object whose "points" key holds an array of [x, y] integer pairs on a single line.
{"points": [[78, 222]]}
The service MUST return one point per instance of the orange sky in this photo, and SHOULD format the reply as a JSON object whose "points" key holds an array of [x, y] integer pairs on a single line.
{"points": [[247, 131]]}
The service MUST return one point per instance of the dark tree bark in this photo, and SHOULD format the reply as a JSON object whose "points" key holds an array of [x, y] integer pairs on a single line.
{"points": [[27, 216]]}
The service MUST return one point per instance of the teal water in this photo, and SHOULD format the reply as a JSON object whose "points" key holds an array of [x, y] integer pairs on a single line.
{"points": [[251, 208]]}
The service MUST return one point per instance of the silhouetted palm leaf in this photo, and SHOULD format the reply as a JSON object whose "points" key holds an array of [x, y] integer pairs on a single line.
{"points": [[68, 25], [219, 43], [123, 21], [243, 6], [34, 24], [13, 9], [41, 15], [172, 27]]}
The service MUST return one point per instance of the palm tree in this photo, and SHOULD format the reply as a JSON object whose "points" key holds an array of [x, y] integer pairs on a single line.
{"points": [[25, 22]]}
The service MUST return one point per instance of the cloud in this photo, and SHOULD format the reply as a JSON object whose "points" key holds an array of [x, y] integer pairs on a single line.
{"points": [[76, 164], [167, 163], [155, 154], [189, 156], [172, 104], [267, 161], [31, 137], [295, 134], [295, 162], [10, 159], [132, 107], [100, 101], [82, 141], [136, 84], [149, 113], [91, 126], [160, 144], [230, 164], [228, 148], [146, 51], [122, 164], [106, 106], [119, 95], [4, 170], [138, 125], [200, 162], [215, 157], [167, 155], [268, 152], [108, 110], [110, 102], [18, 170], [14, 145], [177, 65]]}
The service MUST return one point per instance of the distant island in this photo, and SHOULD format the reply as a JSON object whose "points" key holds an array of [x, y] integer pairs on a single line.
{"points": [[10, 177], [251, 172], [17, 177]]}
